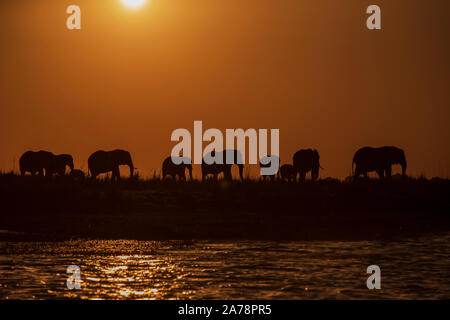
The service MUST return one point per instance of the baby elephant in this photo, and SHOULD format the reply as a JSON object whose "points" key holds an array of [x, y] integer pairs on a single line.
{"points": [[169, 168], [287, 172], [77, 175], [270, 164]]}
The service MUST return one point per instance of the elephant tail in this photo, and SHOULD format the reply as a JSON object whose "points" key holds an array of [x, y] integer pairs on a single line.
{"points": [[353, 166]]}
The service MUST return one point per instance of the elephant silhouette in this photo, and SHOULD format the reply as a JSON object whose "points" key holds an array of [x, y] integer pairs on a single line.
{"points": [[266, 162], [306, 160], [215, 162], [61, 161], [169, 168], [109, 161], [39, 162], [287, 172], [380, 160]]}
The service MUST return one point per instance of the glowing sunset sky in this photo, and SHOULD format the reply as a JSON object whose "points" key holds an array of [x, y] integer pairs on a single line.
{"points": [[310, 68]]}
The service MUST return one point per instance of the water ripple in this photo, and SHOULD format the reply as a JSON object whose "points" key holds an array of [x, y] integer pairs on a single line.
{"points": [[122, 269]]}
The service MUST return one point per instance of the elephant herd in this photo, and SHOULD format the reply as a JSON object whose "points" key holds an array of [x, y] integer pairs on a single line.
{"points": [[44, 162], [365, 160], [209, 165], [48, 164]]}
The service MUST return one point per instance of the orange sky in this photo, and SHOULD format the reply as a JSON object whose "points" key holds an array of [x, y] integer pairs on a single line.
{"points": [[310, 68]]}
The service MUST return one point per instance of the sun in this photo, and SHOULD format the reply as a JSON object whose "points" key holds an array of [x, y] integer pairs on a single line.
{"points": [[133, 3]]}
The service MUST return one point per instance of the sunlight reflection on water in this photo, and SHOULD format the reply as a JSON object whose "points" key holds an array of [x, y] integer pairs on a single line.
{"points": [[226, 270]]}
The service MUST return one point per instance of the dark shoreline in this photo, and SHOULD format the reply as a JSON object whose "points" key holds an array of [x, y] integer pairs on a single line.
{"points": [[57, 209]]}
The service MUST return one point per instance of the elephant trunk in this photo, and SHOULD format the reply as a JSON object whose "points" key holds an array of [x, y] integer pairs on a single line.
{"points": [[403, 162], [131, 169], [315, 173]]}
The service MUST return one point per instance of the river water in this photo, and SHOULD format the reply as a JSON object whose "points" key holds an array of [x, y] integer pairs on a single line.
{"points": [[123, 269]]}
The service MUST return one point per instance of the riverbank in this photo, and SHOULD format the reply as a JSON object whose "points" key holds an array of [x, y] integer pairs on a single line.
{"points": [[40, 209]]}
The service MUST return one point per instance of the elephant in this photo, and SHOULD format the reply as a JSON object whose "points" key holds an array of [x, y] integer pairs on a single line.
{"points": [[106, 161], [210, 165], [287, 172], [306, 160], [173, 170], [380, 160], [266, 162], [60, 163], [36, 162]]}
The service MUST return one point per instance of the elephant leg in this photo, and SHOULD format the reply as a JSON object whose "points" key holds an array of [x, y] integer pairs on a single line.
{"points": [[49, 173], [380, 173], [388, 171], [241, 172], [302, 176], [116, 174], [227, 173]]}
